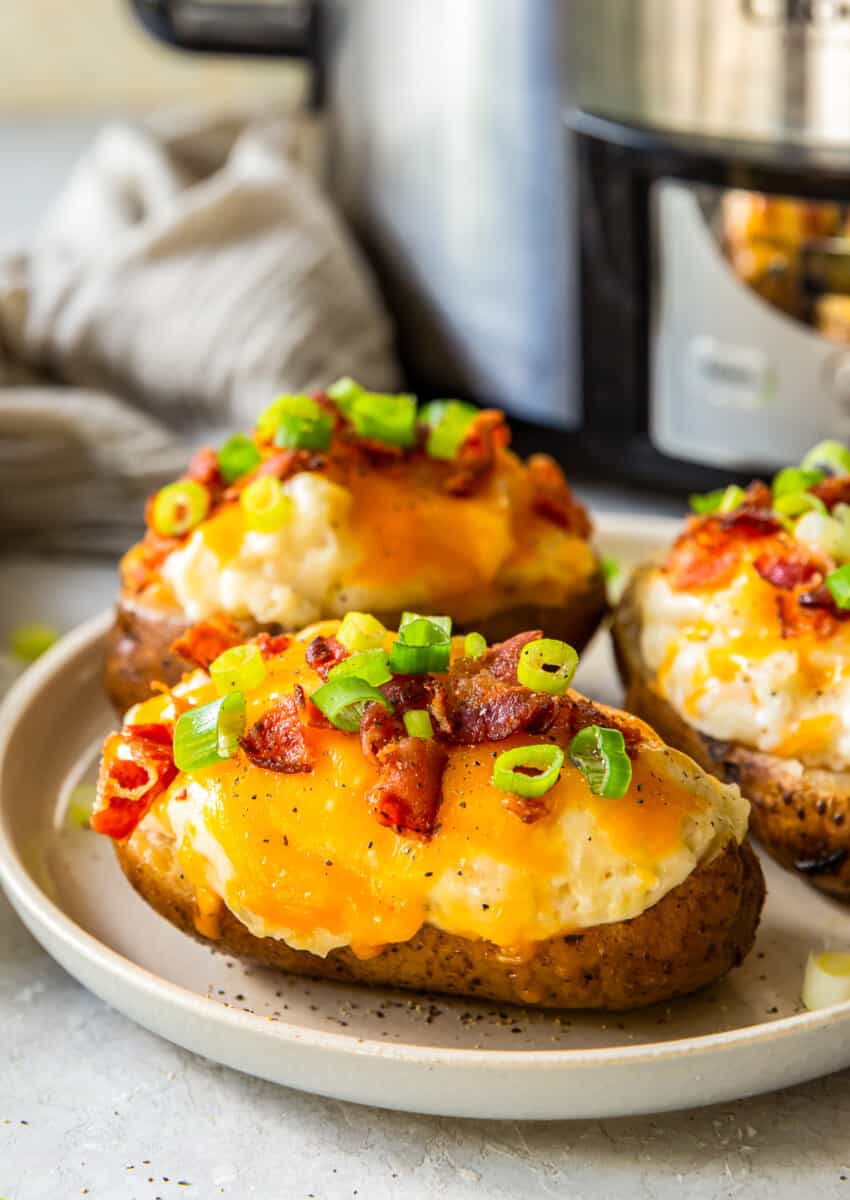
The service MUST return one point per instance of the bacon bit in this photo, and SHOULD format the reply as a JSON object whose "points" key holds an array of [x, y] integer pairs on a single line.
{"points": [[137, 766], [488, 433], [528, 808], [787, 570], [576, 712], [202, 643], [203, 468], [277, 740], [146, 558], [502, 659], [483, 709], [709, 550], [834, 490], [409, 790], [311, 714], [324, 653], [757, 495], [378, 728], [271, 644], [554, 499]]}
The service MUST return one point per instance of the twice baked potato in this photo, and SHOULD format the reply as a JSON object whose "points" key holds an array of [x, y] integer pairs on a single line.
{"points": [[368, 505], [737, 651], [453, 830]]}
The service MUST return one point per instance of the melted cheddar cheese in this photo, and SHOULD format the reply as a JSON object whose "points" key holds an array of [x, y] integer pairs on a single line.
{"points": [[723, 660], [381, 541], [301, 856]]}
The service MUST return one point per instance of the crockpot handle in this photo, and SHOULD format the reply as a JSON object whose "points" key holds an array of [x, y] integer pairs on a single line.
{"points": [[285, 30]]}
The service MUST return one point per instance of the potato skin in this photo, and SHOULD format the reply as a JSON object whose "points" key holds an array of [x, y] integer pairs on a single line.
{"points": [[688, 939], [138, 645], [801, 815]]}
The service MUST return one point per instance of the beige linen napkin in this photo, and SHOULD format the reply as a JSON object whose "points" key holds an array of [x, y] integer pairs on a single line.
{"points": [[190, 271]]}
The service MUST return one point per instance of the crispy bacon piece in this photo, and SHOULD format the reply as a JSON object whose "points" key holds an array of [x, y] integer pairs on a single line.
{"points": [[140, 564], [576, 712], [202, 643], [502, 659], [323, 653], [409, 790], [709, 550], [554, 499], [834, 490], [271, 644], [203, 468], [378, 728], [137, 765], [488, 433], [788, 569], [757, 495], [481, 708], [528, 808], [277, 740]]}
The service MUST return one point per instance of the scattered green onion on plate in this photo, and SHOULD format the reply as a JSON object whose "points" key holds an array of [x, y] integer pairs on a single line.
{"points": [[29, 641]]}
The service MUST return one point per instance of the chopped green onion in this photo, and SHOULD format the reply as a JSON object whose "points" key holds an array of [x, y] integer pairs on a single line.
{"points": [[179, 507], [448, 423], [511, 769], [610, 569], [371, 665], [442, 624], [343, 701], [831, 457], [239, 669], [838, 583], [265, 504], [302, 424], [207, 735], [795, 479], [389, 419], [419, 660], [827, 979], [417, 722], [793, 504], [724, 500], [547, 665], [474, 645], [28, 642], [237, 457], [344, 392], [600, 755], [80, 805], [361, 631]]}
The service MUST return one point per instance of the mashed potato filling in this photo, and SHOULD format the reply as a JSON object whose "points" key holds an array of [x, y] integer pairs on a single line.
{"points": [[721, 661]]}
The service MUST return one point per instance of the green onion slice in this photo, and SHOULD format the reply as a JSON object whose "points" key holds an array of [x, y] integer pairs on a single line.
{"points": [[371, 665], [389, 419], [547, 665], [239, 669], [361, 631], [474, 645], [28, 642], [294, 405], [830, 457], [237, 457], [600, 755], [417, 722], [794, 504], [343, 700], [442, 626], [265, 505], [610, 569], [207, 735], [179, 507], [724, 500], [838, 583], [303, 424], [344, 392], [792, 480], [511, 769], [419, 660], [448, 424]]}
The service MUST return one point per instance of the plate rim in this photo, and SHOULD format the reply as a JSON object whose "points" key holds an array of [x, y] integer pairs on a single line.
{"points": [[42, 915]]}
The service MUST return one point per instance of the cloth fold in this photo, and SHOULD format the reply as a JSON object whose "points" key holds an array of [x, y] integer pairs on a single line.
{"points": [[190, 271]]}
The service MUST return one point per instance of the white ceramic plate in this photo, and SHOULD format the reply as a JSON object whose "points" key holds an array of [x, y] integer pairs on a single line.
{"points": [[426, 1054]]}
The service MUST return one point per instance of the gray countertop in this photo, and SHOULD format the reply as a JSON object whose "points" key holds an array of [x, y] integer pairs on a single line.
{"points": [[92, 1105]]}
